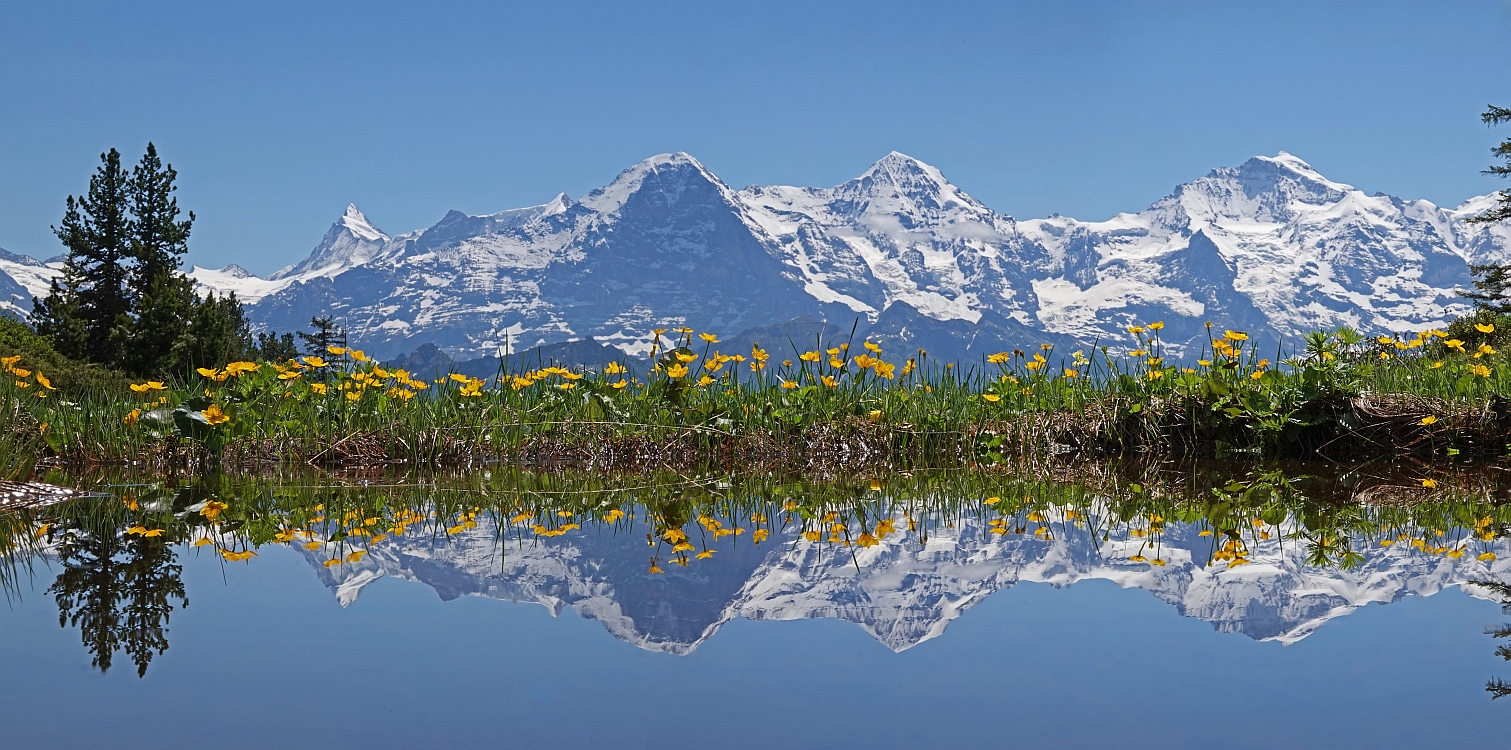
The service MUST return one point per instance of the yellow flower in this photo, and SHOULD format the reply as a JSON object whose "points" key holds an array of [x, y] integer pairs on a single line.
{"points": [[655, 568], [1236, 336], [318, 388], [990, 397], [355, 556], [131, 417], [676, 371], [1256, 375], [1437, 365], [358, 355], [1072, 372], [1454, 344], [208, 372], [1135, 329], [614, 368], [1429, 483], [1485, 328], [709, 337], [314, 361], [289, 375], [151, 385], [875, 415], [1204, 362], [214, 415], [789, 384], [212, 509], [622, 383], [1487, 556], [1480, 370], [353, 395], [1429, 419], [567, 386], [336, 350], [809, 356], [6, 363], [830, 381], [1156, 326], [705, 554]]}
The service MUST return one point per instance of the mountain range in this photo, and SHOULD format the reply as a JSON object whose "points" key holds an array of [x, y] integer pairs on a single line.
{"points": [[905, 590], [899, 253]]}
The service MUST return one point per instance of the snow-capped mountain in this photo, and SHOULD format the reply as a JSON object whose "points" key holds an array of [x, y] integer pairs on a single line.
{"points": [[1269, 246], [23, 277], [903, 591]]}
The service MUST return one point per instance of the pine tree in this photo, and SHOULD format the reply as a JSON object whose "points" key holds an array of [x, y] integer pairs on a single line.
{"points": [[1492, 286], [1498, 116], [164, 298], [89, 313], [217, 333], [326, 335], [274, 348], [1492, 281]]}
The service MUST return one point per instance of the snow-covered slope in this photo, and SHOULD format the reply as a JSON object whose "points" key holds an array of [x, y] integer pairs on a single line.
{"points": [[23, 277], [903, 591], [1270, 246]]}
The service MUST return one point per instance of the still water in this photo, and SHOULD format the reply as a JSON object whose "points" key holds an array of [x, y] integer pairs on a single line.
{"points": [[979, 613]]}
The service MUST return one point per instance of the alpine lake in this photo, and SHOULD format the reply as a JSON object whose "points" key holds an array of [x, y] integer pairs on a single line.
{"points": [[1063, 604]]}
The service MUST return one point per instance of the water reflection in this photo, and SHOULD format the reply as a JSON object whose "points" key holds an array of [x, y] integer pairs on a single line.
{"points": [[663, 562], [119, 591]]}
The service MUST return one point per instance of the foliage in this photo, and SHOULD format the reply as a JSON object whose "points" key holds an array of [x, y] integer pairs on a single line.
{"points": [[326, 335], [1498, 116], [36, 353], [1430, 392], [1492, 284], [87, 316]]}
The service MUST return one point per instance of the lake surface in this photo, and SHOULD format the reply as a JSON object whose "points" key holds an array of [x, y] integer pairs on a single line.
{"points": [[942, 632]]}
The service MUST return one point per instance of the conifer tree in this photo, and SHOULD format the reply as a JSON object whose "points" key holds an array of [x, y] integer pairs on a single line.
{"points": [[217, 333], [326, 335], [164, 298], [1492, 283], [274, 348], [88, 315]]}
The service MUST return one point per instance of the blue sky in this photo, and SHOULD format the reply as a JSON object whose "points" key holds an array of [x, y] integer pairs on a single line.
{"points": [[277, 115]]}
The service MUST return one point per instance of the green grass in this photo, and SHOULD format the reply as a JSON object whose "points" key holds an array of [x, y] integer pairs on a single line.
{"points": [[842, 405]]}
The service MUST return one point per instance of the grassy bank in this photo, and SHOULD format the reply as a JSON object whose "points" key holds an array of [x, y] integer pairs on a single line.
{"points": [[839, 405]]}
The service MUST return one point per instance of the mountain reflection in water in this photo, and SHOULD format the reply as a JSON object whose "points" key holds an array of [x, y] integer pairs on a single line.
{"points": [[905, 590], [663, 562]]}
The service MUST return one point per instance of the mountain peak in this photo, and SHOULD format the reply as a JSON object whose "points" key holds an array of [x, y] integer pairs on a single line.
{"points": [[899, 168], [356, 223], [670, 173], [1287, 163]]}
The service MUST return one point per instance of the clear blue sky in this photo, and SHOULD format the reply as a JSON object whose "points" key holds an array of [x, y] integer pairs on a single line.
{"points": [[279, 114]]}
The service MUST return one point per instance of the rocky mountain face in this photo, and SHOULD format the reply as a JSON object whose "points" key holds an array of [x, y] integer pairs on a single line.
{"points": [[1270, 247], [904, 591]]}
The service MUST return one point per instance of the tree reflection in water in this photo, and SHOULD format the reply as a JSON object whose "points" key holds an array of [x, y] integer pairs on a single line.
{"points": [[118, 590]]}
